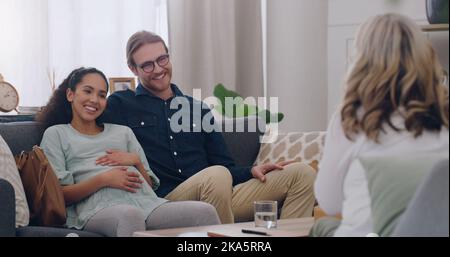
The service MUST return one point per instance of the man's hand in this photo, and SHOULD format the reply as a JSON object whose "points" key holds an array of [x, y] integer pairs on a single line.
{"points": [[260, 171], [118, 158]]}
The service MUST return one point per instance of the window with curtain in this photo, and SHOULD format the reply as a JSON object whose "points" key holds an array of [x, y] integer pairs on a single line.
{"points": [[43, 40]]}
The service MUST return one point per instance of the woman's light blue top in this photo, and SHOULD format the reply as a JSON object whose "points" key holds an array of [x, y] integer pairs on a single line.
{"points": [[73, 155]]}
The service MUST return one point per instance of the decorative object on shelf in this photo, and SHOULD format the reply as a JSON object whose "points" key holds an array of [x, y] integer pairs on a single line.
{"points": [[52, 78], [120, 84], [241, 109], [437, 11], [9, 97]]}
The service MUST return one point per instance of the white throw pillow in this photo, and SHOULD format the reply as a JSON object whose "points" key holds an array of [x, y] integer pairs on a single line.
{"points": [[295, 146], [8, 171]]}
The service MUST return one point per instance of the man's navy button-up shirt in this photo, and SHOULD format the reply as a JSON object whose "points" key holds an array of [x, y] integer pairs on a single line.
{"points": [[173, 156]]}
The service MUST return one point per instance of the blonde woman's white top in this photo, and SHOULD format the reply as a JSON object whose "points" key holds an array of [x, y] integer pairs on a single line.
{"points": [[341, 185]]}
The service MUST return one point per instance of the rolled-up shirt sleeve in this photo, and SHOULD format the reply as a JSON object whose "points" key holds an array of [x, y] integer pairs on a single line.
{"points": [[52, 146]]}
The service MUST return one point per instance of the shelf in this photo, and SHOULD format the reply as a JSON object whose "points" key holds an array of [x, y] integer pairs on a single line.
{"points": [[435, 27], [16, 118]]}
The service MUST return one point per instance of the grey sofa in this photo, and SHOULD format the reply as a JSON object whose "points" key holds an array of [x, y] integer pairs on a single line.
{"points": [[22, 136]]}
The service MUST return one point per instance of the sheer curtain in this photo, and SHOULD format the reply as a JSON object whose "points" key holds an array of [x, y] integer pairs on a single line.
{"points": [[215, 42], [45, 37]]}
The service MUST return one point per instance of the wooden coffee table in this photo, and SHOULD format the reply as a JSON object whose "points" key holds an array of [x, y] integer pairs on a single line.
{"points": [[286, 228]]}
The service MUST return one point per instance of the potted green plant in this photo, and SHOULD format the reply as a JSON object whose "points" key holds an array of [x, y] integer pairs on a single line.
{"points": [[241, 109]]}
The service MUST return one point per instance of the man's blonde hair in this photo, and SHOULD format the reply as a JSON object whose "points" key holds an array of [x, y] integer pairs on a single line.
{"points": [[395, 70], [139, 39]]}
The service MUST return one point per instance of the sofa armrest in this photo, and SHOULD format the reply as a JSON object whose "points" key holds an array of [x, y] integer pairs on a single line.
{"points": [[7, 209]]}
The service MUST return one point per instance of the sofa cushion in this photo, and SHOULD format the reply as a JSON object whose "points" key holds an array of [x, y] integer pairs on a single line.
{"points": [[392, 181], [8, 171], [295, 146]]}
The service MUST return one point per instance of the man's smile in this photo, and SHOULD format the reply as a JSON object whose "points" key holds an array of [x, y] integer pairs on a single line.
{"points": [[160, 76]]}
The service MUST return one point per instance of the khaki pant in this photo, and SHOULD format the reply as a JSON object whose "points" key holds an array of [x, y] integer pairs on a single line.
{"points": [[292, 187]]}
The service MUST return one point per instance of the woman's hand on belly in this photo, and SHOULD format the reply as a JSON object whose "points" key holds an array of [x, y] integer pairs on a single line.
{"points": [[118, 158], [121, 178]]}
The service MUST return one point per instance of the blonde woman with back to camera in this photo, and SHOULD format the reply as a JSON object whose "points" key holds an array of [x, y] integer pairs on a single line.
{"points": [[395, 103]]}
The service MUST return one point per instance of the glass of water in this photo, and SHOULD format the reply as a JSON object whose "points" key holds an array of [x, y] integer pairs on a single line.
{"points": [[266, 214]]}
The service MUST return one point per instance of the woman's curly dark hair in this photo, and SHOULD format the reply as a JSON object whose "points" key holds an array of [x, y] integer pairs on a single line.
{"points": [[58, 109]]}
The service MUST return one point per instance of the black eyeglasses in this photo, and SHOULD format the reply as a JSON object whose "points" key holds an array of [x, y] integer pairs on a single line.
{"points": [[149, 66]]}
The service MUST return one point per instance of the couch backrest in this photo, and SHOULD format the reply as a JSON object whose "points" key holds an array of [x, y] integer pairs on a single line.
{"points": [[21, 136], [243, 146]]}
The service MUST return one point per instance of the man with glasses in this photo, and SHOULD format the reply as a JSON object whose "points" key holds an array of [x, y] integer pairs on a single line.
{"points": [[197, 165]]}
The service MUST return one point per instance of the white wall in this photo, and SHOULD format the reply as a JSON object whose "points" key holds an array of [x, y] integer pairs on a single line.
{"points": [[22, 26], [344, 19], [297, 62]]}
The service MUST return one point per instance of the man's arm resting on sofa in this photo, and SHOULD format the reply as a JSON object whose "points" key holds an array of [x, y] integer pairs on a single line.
{"points": [[7, 209]]}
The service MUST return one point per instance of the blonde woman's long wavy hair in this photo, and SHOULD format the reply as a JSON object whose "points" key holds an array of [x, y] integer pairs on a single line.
{"points": [[395, 70]]}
